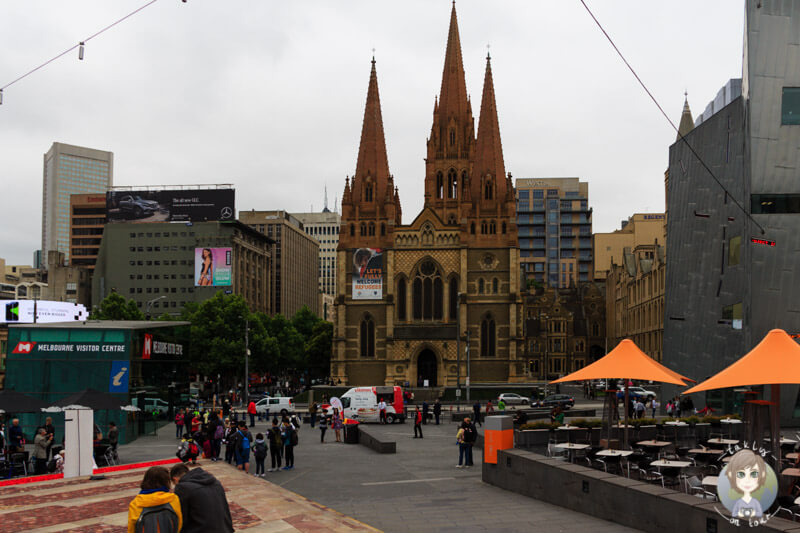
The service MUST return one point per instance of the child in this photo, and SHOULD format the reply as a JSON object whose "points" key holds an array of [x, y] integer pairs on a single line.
{"points": [[188, 450], [260, 453], [323, 425], [59, 462]]}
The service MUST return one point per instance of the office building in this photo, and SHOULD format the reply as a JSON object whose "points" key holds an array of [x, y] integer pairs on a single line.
{"points": [[295, 266], [86, 222], [67, 283], [555, 230], [162, 266], [413, 297], [69, 170], [732, 252], [324, 227], [21, 282], [639, 229]]}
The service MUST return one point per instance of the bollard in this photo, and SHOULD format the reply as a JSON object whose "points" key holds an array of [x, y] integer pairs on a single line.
{"points": [[498, 434]]}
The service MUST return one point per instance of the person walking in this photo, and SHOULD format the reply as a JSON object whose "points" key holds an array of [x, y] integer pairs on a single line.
{"points": [[437, 410], [40, 443], [312, 413], [489, 408], [16, 437], [417, 423], [178, 424], [323, 425], [202, 501], [462, 449], [216, 432], [50, 433], [337, 424], [275, 446], [654, 405], [251, 410], [242, 449], [382, 411], [501, 406], [230, 441], [424, 412], [260, 453], [476, 409]]}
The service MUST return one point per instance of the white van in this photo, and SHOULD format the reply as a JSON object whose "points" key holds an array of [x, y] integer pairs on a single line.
{"points": [[153, 404], [277, 405], [361, 403]]}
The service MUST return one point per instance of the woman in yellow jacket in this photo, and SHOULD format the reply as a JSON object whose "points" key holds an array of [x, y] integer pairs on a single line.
{"points": [[155, 492]]}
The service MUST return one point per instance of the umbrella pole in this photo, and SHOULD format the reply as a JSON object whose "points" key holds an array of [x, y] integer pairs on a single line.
{"points": [[627, 402], [775, 423]]}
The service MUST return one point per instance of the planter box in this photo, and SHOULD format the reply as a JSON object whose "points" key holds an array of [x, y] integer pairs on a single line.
{"points": [[531, 437]]}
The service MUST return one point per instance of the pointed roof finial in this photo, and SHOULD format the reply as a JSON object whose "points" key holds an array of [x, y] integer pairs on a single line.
{"points": [[687, 122], [488, 55], [373, 55]]}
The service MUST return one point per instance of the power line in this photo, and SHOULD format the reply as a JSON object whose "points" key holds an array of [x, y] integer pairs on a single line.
{"points": [[83, 41], [681, 137]]}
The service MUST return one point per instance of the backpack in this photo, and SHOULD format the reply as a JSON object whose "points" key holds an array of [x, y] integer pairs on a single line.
{"points": [[469, 434], [245, 442], [158, 519], [293, 439], [260, 449], [219, 432], [193, 449]]}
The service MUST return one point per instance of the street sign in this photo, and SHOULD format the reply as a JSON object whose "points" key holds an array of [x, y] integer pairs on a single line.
{"points": [[467, 381], [458, 393]]}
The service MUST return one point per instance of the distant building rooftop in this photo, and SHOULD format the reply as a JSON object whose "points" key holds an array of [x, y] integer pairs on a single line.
{"points": [[107, 324]]}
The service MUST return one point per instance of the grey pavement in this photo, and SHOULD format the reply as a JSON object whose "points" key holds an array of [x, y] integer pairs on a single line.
{"points": [[416, 489]]}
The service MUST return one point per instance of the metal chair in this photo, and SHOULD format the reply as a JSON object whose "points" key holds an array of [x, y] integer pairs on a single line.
{"points": [[18, 460], [695, 486]]}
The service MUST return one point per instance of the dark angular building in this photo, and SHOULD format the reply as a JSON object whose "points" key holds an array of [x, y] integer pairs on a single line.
{"points": [[725, 287]]}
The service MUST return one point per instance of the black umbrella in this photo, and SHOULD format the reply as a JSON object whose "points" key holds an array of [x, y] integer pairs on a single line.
{"points": [[93, 399], [15, 402]]}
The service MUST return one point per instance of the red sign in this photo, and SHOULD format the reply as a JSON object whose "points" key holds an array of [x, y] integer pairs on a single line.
{"points": [[24, 347], [147, 348], [762, 241]]}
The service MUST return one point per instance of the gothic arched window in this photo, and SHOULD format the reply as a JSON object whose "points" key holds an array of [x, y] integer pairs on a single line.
{"points": [[453, 305], [452, 184], [439, 185], [367, 337], [383, 229], [488, 189], [492, 227], [452, 137], [368, 192], [401, 299], [495, 285], [371, 229], [352, 230], [472, 228], [363, 230], [428, 293], [488, 337], [504, 228], [480, 286]]}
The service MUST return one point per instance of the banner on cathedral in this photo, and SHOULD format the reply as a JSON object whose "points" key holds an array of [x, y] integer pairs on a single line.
{"points": [[367, 274]]}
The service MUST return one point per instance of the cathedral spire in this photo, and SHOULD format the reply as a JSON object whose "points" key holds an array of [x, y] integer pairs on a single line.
{"points": [[489, 149], [687, 124], [453, 96], [372, 159]]}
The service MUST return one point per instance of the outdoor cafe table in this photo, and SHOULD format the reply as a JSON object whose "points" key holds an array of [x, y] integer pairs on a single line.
{"points": [[616, 453], [666, 463], [792, 456], [567, 427], [675, 423], [793, 472], [653, 443], [725, 442], [571, 447], [707, 451], [730, 423], [710, 481], [785, 441]]}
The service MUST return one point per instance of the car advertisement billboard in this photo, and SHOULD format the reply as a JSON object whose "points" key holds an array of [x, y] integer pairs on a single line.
{"points": [[367, 274], [213, 267], [192, 205], [22, 312]]}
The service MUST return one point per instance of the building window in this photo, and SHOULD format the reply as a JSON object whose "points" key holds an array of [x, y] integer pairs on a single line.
{"points": [[488, 340], [454, 298], [417, 299], [363, 230], [352, 230], [488, 189], [452, 137], [733, 314], [472, 228], [492, 227], [790, 106], [452, 184], [371, 229], [504, 228], [764, 204], [401, 299], [368, 192], [495, 286], [367, 337], [439, 185], [734, 250], [383, 229], [480, 286]]}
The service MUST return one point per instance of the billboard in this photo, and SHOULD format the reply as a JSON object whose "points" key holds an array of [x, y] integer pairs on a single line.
{"points": [[22, 311], [192, 205], [367, 274], [213, 267]]}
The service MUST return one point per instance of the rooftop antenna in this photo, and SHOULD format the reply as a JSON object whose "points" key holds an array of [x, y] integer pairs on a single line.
{"points": [[326, 197]]}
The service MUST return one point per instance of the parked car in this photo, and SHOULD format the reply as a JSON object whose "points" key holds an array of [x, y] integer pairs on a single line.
{"points": [[564, 400], [282, 405], [636, 392], [510, 398]]}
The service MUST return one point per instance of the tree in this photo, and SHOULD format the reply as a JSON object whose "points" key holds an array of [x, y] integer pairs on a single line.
{"points": [[304, 321], [290, 342], [115, 307], [318, 349]]}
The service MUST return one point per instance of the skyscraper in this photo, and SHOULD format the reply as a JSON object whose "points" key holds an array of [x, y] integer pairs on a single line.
{"points": [[555, 230], [70, 170]]}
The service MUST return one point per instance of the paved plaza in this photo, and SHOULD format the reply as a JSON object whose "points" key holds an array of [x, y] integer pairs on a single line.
{"points": [[416, 489]]}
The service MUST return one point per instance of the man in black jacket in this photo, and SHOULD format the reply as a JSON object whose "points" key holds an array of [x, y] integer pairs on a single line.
{"points": [[203, 503]]}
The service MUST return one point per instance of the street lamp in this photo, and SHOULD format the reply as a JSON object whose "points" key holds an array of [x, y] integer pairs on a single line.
{"points": [[149, 304], [546, 357]]}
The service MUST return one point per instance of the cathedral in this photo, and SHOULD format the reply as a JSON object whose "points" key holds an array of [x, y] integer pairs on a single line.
{"points": [[415, 302]]}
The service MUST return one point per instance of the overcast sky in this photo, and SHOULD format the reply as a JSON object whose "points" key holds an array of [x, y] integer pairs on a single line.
{"points": [[269, 96]]}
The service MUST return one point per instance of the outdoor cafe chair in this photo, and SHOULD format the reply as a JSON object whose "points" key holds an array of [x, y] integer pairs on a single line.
{"points": [[694, 486], [18, 460]]}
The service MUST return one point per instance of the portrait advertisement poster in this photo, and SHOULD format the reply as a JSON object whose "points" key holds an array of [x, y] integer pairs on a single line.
{"points": [[212, 267], [367, 274]]}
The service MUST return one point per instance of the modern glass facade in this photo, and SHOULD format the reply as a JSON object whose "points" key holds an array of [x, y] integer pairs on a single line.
{"points": [[555, 230]]}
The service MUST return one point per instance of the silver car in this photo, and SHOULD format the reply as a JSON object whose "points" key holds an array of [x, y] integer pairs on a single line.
{"points": [[510, 398]]}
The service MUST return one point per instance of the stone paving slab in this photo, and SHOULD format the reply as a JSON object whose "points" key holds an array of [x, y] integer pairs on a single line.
{"points": [[83, 506]]}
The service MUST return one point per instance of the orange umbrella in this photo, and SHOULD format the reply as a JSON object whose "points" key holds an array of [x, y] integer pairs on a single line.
{"points": [[626, 361], [774, 361]]}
